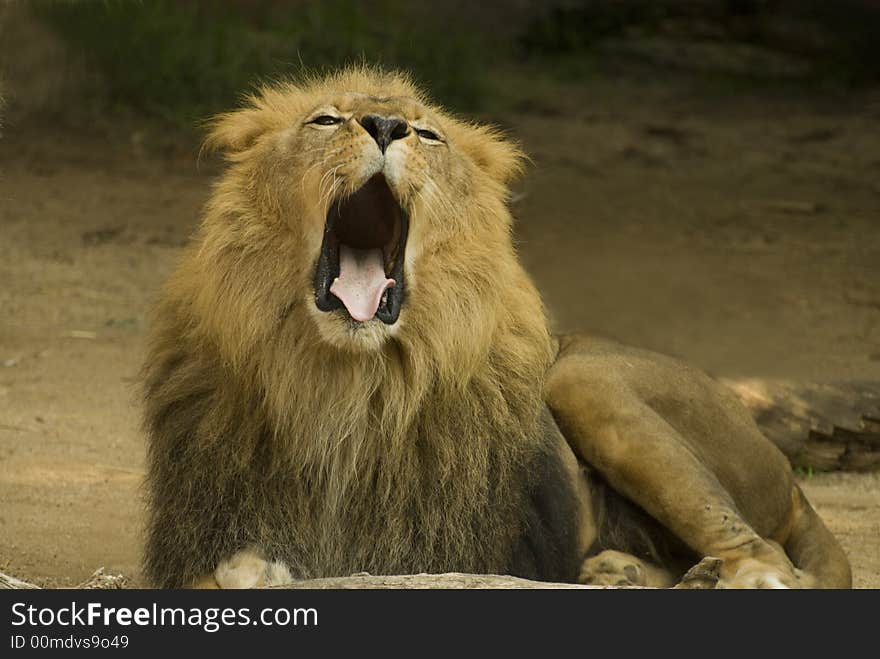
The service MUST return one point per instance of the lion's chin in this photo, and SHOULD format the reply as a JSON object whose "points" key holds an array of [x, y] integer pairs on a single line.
{"points": [[346, 334], [359, 273]]}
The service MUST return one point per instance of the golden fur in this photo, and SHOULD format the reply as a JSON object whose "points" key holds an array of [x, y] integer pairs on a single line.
{"points": [[374, 423]]}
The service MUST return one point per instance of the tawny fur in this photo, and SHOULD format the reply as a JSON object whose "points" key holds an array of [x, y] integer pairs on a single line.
{"points": [[382, 451]]}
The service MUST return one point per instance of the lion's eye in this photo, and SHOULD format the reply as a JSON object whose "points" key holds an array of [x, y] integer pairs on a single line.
{"points": [[326, 120], [426, 134]]}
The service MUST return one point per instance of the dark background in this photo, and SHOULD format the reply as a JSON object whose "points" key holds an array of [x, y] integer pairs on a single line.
{"points": [[180, 61], [705, 181]]}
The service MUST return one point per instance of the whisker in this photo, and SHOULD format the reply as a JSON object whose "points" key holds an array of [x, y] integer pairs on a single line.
{"points": [[311, 167]]}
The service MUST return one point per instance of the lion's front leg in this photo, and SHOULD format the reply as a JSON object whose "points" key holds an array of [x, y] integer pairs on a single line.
{"points": [[246, 569], [766, 567]]}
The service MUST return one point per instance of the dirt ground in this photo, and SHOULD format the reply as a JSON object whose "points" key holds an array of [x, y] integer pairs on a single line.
{"points": [[742, 234]]}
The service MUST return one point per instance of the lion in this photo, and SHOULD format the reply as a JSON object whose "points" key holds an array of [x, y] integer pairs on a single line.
{"points": [[350, 371]]}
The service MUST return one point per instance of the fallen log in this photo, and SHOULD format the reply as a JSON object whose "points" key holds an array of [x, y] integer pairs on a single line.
{"points": [[818, 426], [447, 581], [702, 576], [8, 582], [100, 579]]}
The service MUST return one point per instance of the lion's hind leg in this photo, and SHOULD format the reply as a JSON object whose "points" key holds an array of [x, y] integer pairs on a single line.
{"points": [[813, 548], [674, 477]]}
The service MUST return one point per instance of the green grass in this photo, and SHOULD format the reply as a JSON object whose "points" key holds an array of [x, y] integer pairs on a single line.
{"points": [[804, 472], [181, 61]]}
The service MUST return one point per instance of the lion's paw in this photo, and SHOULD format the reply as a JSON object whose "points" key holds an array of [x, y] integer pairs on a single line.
{"points": [[615, 568], [247, 569], [753, 573]]}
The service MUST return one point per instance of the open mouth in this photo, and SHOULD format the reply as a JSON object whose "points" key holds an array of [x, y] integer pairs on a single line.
{"points": [[360, 268]]}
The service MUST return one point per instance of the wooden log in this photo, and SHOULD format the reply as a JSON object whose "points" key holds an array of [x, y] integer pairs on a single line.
{"points": [[447, 581], [453, 580], [100, 579], [823, 426], [860, 458], [703, 575], [8, 582], [103, 580], [819, 455]]}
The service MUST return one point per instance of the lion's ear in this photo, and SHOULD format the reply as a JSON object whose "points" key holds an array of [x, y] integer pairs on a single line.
{"points": [[500, 158], [232, 132]]}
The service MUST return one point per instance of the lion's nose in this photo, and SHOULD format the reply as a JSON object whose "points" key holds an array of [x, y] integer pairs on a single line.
{"points": [[384, 129]]}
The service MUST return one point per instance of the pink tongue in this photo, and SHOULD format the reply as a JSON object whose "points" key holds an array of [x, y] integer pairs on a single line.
{"points": [[361, 281]]}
